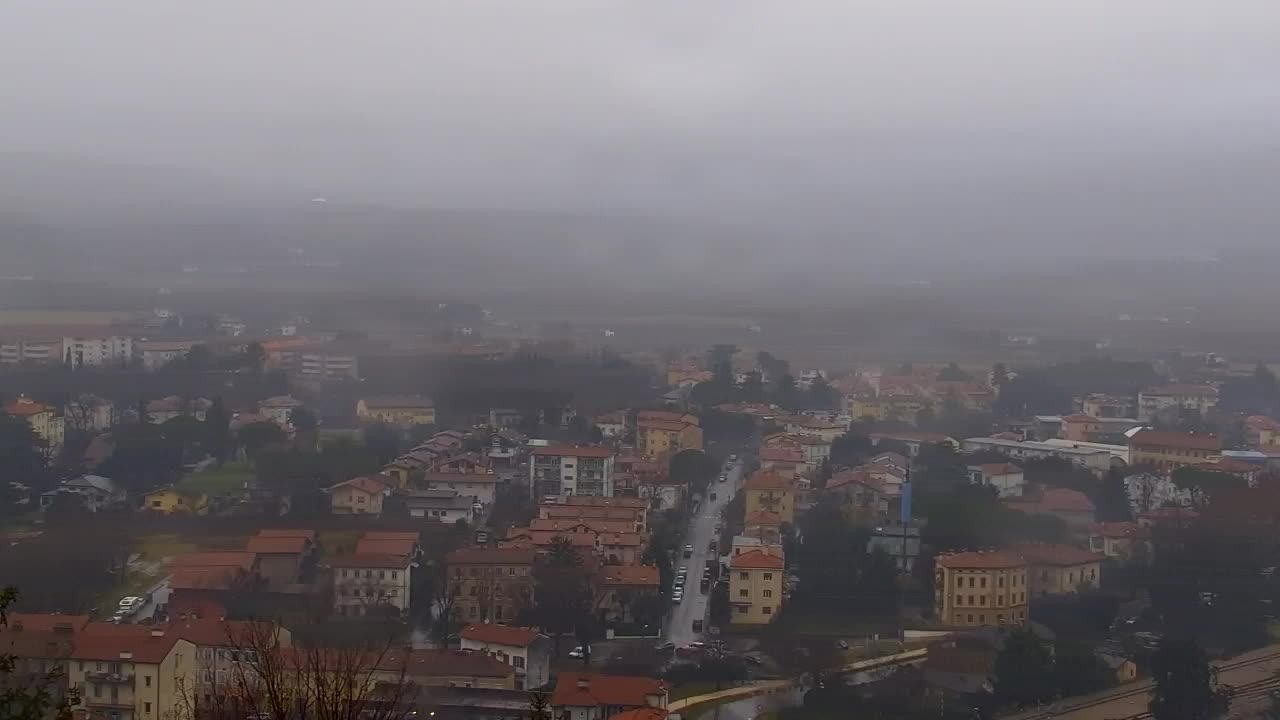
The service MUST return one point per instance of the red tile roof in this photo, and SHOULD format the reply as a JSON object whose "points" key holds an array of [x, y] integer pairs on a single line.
{"points": [[399, 546], [370, 560], [755, 560], [982, 560], [371, 484], [631, 575], [591, 690], [22, 407], [1172, 438], [763, 517], [499, 635], [780, 454], [999, 469], [1231, 466], [768, 480], [620, 502], [592, 524], [447, 663], [45, 622], [211, 632], [1055, 554], [240, 560], [1052, 500], [277, 545], [491, 556], [587, 451], [106, 642], [1262, 422]]}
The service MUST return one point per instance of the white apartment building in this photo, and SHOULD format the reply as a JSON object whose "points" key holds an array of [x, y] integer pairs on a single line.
{"points": [[564, 470]]}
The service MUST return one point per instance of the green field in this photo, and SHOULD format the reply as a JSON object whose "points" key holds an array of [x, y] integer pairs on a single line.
{"points": [[229, 478]]}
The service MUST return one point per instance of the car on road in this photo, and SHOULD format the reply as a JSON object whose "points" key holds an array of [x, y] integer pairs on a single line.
{"points": [[684, 570], [733, 458], [711, 546], [697, 645], [752, 660], [688, 551], [723, 477], [843, 645], [580, 652]]}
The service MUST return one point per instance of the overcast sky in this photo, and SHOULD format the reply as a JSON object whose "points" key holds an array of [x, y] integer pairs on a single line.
{"points": [[831, 109]]}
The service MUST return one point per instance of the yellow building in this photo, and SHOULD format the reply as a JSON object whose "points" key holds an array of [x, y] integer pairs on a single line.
{"points": [[169, 501], [359, 496], [980, 588], [398, 410], [43, 419], [131, 672], [678, 375], [659, 432], [771, 493], [1060, 569], [755, 587], [1169, 450]]}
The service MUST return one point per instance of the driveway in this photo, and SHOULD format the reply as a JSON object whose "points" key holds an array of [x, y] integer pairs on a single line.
{"points": [[699, 534]]}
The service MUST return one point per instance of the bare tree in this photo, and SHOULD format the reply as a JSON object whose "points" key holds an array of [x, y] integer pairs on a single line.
{"points": [[271, 680]]}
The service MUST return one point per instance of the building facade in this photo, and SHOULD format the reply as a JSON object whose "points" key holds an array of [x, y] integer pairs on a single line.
{"points": [[755, 587], [490, 584], [981, 588], [566, 470]]}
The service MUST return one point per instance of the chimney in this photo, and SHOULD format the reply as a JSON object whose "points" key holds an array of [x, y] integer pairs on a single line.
{"points": [[584, 683], [157, 632]]}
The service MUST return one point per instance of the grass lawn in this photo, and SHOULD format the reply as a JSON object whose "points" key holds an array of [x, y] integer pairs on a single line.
{"points": [[229, 478], [155, 548]]}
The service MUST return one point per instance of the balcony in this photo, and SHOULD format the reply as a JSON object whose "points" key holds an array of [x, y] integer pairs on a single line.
{"points": [[109, 677], [108, 703]]}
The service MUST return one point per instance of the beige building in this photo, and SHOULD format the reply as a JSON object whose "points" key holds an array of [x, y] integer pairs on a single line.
{"points": [[755, 587], [772, 493], [1060, 569], [220, 663], [1157, 400], [131, 672], [43, 419], [1169, 450], [490, 584], [980, 588], [371, 584], [359, 496], [659, 433], [398, 410], [524, 649]]}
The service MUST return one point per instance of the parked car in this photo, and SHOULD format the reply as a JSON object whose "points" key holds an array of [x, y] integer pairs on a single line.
{"points": [[843, 645], [580, 651], [688, 551]]}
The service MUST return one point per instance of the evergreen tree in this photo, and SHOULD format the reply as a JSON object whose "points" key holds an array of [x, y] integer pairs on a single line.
{"points": [[1024, 669], [1185, 685]]}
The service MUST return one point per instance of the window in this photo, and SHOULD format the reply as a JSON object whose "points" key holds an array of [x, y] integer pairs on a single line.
{"points": [[768, 576], [1000, 581], [394, 575], [972, 581], [767, 610], [970, 619], [382, 574], [982, 618], [146, 707], [982, 600], [959, 582], [982, 582], [744, 593], [517, 661], [767, 593], [742, 610], [743, 576], [147, 680], [473, 611]]}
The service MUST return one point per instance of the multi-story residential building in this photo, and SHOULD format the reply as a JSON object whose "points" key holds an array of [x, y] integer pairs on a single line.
{"points": [[1123, 542], [612, 425], [440, 504], [483, 486], [19, 350], [1156, 400], [806, 425], [660, 433], [1261, 430], [1055, 569], [755, 587], [771, 492], [980, 588], [43, 419], [913, 441], [490, 584], [813, 448], [635, 517], [376, 584], [565, 470], [278, 409], [397, 410], [158, 353], [328, 361], [38, 646], [360, 495], [225, 653], [524, 649], [131, 672], [97, 347], [1168, 450], [1005, 478], [587, 696], [1100, 405], [624, 588]]}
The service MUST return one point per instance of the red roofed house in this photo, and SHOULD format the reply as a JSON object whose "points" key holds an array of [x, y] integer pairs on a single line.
{"points": [[619, 590], [281, 554], [571, 470], [1006, 478], [771, 492], [1074, 507], [1121, 541], [1169, 450], [360, 495], [489, 584], [524, 649], [980, 588], [587, 696], [130, 672], [1056, 569], [37, 644], [783, 460], [219, 660], [755, 587], [864, 499], [201, 581], [1156, 400], [764, 525], [1261, 430]]}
